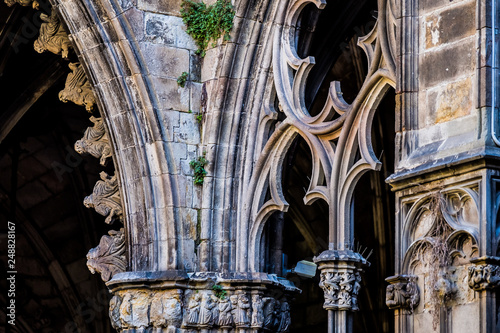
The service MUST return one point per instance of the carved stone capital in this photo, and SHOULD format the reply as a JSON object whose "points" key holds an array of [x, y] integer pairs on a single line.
{"points": [[175, 301], [402, 292], [53, 37], [484, 273], [108, 258], [105, 198], [77, 88], [341, 278]]}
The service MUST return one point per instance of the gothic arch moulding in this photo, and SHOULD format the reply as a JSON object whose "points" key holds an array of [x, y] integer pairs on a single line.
{"points": [[107, 48]]}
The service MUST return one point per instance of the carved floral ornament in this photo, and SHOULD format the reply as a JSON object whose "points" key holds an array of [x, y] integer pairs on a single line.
{"points": [[334, 135]]}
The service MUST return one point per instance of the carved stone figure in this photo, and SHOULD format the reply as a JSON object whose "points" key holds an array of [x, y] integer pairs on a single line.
{"points": [[285, 319], [114, 312], [24, 3], [269, 312], [109, 257], [402, 293], [257, 312], [484, 277], [225, 319], [206, 316], [193, 311], [105, 198], [234, 307], [95, 142], [53, 37], [77, 88], [243, 311]]}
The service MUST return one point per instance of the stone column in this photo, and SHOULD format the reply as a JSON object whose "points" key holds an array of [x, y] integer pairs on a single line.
{"points": [[340, 280]]}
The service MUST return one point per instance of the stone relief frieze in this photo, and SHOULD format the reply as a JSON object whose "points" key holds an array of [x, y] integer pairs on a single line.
{"points": [[108, 258], [402, 292], [105, 198], [95, 142], [77, 88], [53, 37], [198, 310]]}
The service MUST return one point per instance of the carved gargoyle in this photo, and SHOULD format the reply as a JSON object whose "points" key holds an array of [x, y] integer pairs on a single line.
{"points": [[53, 37], [105, 198], [95, 142], [77, 88], [108, 258], [24, 3], [402, 293]]}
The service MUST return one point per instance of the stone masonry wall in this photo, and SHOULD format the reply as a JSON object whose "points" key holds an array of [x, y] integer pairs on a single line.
{"points": [[169, 51]]}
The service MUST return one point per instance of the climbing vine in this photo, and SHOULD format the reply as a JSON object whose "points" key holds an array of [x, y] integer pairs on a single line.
{"points": [[205, 23], [198, 166]]}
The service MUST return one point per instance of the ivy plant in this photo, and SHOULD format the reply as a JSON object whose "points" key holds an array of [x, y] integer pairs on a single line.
{"points": [[219, 292], [181, 80], [198, 166], [205, 23]]}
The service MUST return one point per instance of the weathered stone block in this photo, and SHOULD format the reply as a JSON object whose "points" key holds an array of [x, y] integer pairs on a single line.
{"points": [[172, 7], [450, 25], [168, 30], [451, 101], [426, 6], [444, 64], [165, 61], [171, 96]]}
